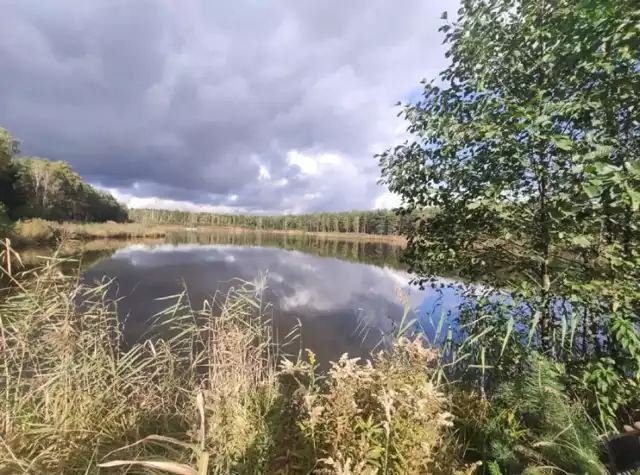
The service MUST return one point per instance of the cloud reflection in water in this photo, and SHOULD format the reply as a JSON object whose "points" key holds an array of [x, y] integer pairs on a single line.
{"points": [[337, 302]]}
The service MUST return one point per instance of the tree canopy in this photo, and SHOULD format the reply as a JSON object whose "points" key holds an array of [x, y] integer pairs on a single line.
{"points": [[33, 187], [528, 144]]}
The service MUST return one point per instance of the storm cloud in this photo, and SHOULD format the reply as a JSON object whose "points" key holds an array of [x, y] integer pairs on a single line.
{"points": [[247, 105]]}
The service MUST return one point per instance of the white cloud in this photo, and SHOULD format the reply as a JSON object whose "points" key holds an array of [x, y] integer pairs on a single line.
{"points": [[160, 203], [310, 164], [387, 200], [307, 165], [264, 173]]}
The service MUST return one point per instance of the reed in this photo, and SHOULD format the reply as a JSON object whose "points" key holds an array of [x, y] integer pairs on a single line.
{"points": [[205, 391]]}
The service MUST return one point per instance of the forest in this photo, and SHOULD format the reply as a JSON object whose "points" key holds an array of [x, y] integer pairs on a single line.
{"points": [[32, 187], [383, 222]]}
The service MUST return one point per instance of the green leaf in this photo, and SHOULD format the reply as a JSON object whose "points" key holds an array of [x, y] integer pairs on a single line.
{"points": [[510, 324], [474, 338], [633, 167], [563, 327], [574, 326], [534, 325], [562, 142], [542, 119], [634, 196], [599, 152], [592, 190], [581, 241]]}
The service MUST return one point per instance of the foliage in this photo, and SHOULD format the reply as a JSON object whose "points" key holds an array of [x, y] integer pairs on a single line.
{"points": [[4, 219], [530, 425], [52, 190], [385, 416], [529, 150], [379, 222]]}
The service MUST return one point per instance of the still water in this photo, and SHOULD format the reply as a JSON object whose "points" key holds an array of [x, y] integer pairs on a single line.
{"points": [[345, 294]]}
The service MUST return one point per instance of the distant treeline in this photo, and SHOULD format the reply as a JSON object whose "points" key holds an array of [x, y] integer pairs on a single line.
{"points": [[52, 190], [370, 222], [33, 187]]}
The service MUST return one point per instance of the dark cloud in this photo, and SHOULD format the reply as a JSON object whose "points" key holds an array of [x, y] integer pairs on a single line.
{"points": [[206, 102]]}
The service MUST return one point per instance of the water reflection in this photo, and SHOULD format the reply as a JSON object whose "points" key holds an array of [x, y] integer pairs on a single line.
{"points": [[343, 306], [376, 252]]}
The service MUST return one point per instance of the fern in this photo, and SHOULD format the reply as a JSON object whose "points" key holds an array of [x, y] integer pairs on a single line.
{"points": [[533, 427], [493, 468]]}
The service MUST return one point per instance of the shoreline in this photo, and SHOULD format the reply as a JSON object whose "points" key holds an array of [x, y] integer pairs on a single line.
{"points": [[40, 232], [388, 238]]}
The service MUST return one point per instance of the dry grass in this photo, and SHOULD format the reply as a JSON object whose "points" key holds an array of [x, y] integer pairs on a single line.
{"points": [[71, 393], [202, 394], [40, 231]]}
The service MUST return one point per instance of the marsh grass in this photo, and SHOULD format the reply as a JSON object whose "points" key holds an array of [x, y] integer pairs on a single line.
{"points": [[80, 254], [203, 392], [40, 231], [70, 394]]}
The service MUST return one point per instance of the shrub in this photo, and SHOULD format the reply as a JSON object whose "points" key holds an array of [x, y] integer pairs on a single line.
{"points": [[530, 425], [385, 416], [35, 231]]}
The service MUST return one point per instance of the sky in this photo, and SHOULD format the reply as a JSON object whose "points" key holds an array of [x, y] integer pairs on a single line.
{"points": [[251, 106]]}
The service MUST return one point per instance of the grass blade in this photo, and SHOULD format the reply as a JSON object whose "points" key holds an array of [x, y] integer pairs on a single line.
{"points": [[165, 466], [510, 324]]}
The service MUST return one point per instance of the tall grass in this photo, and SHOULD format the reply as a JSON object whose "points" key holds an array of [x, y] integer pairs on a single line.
{"points": [[71, 393], [205, 391], [40, 231]]}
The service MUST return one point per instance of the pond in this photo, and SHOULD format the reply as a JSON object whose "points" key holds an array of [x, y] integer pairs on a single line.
{"points": [[345, 294]]}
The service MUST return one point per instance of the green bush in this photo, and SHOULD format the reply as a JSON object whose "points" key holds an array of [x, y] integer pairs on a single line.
{"points": [[4, 220], [530, 425], [384, 416]]}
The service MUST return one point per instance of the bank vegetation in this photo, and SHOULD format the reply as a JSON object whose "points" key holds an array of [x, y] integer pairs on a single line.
{"points": [[208, 390]]}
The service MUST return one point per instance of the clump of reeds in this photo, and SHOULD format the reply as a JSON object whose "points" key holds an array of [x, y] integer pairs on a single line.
{"points": [[110, 230], [201, 392], [40, 231], [70, 393]]}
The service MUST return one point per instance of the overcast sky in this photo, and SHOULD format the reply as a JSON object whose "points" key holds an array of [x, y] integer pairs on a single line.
{"points": [[225, 105]]}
